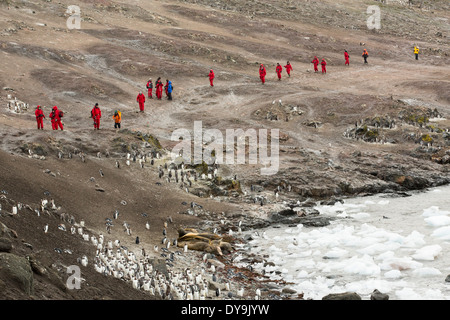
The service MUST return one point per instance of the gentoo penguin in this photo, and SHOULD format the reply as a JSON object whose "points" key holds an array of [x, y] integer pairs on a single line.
{"points": [[147, 226], [101, 173], [117, 164], [46, 228], [137, 240], [84, 261]]}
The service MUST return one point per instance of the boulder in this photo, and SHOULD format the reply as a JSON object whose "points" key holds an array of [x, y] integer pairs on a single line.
{"points": [[377, 295], [342, 296], [5, 231], [288, 291], [160, 266], [16, 271], [448, 278], [5, 245]]}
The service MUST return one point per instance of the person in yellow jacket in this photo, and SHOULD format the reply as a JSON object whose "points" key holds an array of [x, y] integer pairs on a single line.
{"points": [[117, 119], [416, 52]]}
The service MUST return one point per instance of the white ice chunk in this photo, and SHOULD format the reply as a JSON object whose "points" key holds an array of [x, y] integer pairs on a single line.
{"points": [[434, 211], [438, 221], [335, 253], [427, 253], [442, 233], [360, 215], [401, 264], [393, 274], [408, 294], [364, 266], [426, 272], [414, 239]]}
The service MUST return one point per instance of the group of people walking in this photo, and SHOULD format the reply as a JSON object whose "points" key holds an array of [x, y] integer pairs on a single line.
{"points": [[278, 70], [55, 118], [168, 89], [96, 114]]}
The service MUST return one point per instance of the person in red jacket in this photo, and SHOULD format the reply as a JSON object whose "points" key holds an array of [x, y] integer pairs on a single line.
{"points": [[159, 87], [347, 57], [279, 70], [211, 77], [288, 68], [316, 63], [96, 114], [324, 66], [39, 117], [141, 99], [55, 117], [262, 73], [150, 88]]}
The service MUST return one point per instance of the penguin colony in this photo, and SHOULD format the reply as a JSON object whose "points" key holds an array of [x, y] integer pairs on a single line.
{"points": [[114, 259]]}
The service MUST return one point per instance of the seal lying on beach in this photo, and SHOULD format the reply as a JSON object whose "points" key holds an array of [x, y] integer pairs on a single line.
{"points": [[207, 242]]}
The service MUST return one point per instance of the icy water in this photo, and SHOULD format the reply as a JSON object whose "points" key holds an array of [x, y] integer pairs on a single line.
{"points": [[399, 246]]}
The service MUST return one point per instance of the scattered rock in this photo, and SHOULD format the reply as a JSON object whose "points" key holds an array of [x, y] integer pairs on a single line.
{"points": [[377, 295], [160, 266], [5, 245], [36, 266], [17, 271], [342, 296], [288, 291], [4, 230]]}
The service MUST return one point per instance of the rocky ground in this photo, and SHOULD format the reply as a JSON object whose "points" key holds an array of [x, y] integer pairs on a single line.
{"points": [[359, 129]]}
